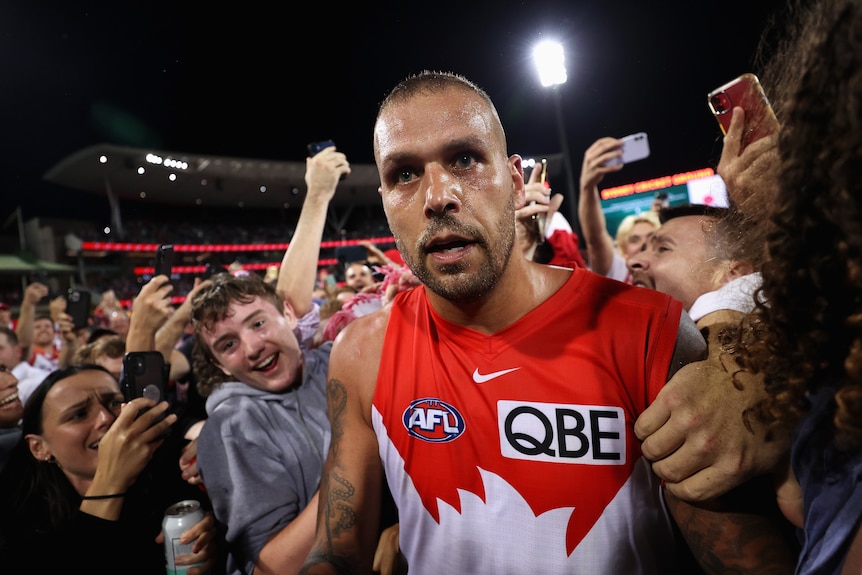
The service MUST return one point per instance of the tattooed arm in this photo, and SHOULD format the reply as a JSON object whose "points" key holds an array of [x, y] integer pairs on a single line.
{"points": [[741, 532], [350, 490]]}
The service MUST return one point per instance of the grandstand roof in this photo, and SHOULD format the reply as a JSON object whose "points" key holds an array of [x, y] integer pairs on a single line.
{"points": [[126, 173]]}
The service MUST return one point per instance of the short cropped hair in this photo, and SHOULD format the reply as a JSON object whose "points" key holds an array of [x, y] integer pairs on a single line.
{"points": [[731, 235]]}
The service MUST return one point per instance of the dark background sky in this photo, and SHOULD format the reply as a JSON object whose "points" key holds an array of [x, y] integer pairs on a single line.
{"points": [[260, 80]]}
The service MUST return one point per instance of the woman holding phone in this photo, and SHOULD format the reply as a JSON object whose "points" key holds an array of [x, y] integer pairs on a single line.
{"points": [[87, 485]]}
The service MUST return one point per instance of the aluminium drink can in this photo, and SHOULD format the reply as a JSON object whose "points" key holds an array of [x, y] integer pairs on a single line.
{"points": [[179, 517]]}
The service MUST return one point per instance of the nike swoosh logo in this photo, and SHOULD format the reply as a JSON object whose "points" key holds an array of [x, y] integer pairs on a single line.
{"points": [[479, 378]]}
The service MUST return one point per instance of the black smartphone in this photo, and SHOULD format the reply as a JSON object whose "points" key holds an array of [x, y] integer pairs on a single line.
{"points": [[315, 148], [78, 307], [40, 277], [145, 374], [165, 259]]}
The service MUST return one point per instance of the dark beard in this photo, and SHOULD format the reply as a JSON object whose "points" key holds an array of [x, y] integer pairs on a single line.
{"points": [[453, 282]]}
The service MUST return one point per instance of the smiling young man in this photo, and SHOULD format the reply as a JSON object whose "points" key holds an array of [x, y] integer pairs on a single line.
{"points": [[261, 451], [498, 398]]}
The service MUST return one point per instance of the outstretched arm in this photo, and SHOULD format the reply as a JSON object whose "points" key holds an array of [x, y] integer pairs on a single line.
{"points": [[299, 266], [150, 310], [71, 339], [169, 334], [600, 245], [27, 316]]}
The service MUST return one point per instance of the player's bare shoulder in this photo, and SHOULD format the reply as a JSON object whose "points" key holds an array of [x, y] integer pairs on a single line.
{"points": [[355, 356], [363, 333]]}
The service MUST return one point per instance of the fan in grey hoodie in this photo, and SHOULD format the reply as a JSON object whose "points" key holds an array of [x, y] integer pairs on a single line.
{"points": [[262, 449]]}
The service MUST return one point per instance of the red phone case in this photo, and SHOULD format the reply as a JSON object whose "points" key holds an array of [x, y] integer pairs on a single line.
{"points": [[747, 93]]}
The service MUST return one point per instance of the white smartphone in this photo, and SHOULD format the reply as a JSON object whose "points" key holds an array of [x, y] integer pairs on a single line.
{"points": [[635, 147]]}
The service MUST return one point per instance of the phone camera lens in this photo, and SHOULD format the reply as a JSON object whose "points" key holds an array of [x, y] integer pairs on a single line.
{"points": [[721, 103]]}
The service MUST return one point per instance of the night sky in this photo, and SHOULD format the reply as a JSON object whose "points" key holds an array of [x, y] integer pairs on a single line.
{"points": [[259, 80]]}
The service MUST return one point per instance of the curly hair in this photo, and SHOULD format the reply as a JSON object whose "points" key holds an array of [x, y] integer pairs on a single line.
{"points": [[211, 305], [810, 331]]}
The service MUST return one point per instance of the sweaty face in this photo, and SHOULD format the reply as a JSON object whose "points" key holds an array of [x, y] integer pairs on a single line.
{"points": [[678, 261], [75, 416], [448, 190], [255, 344]]}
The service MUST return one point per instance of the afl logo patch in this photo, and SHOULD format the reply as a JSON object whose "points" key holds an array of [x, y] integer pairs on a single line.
{"points": [[433, 420]]}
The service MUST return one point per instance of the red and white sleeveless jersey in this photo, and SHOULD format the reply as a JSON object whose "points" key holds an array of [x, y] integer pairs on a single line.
{"points": [[515, 452]]}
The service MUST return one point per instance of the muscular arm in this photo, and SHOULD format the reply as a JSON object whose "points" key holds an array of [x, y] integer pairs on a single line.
{"points": [[737, 533], [743, 530], [350, 491], [696, 432]]}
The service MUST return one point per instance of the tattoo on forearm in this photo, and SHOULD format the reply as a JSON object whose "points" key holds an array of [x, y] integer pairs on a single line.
{"points": [[336, 403], [337, 512], [341, 564], [340, 514], [736, 543]]}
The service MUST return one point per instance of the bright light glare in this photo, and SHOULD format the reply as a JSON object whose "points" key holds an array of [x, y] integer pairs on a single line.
{"points": [[550, 62]]}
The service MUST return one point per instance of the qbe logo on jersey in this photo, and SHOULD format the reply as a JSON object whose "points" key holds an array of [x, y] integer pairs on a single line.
{"points": [[433, 420], [562, 433]]}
